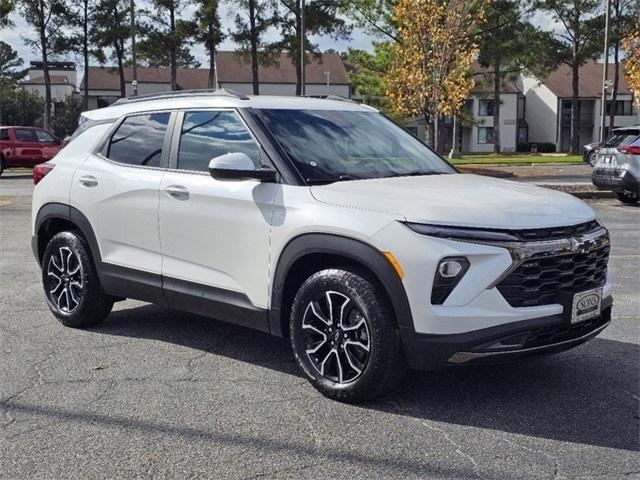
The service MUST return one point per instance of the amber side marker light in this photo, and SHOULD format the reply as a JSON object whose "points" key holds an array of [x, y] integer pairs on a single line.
{"points": [[40, 171], [394, 263]]}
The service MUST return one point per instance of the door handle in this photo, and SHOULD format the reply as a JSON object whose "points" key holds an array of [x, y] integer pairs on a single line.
{"points": [[88, 181], [178, 192]]}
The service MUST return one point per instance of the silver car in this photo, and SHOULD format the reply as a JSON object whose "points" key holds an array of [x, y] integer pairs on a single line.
{"points": [[617, 165]]}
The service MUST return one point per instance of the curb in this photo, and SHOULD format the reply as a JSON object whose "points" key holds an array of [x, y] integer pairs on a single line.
{"points": [[586, 192], [488, 172]]}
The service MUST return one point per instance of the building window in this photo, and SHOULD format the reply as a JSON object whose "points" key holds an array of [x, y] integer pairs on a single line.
{"points": [[623, 107], [106, 100], [485, 108], [412, 130], [485, 135]]}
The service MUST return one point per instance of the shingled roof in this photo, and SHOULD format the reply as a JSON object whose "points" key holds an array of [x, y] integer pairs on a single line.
{"points": [[55, 80], [590, 85], [232, 68]]}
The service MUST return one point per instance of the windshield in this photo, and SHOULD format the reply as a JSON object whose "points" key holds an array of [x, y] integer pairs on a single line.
{"points": [[332, 145]]}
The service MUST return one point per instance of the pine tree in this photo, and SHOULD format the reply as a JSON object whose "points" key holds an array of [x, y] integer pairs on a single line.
{"points": [[209, 33], [112, 22], [47, 19], [579, 39], [168, 38], [252, 21], [322, 17]]}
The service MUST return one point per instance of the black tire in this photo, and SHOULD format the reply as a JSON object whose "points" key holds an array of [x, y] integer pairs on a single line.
{"points": [[628, 198], [381, 369], [591, 158], [1, 165], [71, 284]]}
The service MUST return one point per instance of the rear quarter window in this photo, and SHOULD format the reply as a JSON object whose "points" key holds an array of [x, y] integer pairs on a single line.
{"points": [[4, 134], [628, 139], [139, 140]]}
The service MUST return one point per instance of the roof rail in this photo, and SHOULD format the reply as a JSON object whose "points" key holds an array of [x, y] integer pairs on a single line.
{"points": [[337, 98], [181, 93]]}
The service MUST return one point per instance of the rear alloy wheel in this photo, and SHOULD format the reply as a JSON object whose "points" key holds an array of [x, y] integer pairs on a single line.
{"points": [[65, 280], [591, 158], [71, 284], [628, 197], [344, 337]]}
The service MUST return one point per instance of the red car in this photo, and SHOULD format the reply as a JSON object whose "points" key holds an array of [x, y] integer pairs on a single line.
{"points": [[26, 147]]}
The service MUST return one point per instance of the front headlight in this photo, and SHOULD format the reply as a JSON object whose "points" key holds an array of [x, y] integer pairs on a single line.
{"points": [[463, 233]]}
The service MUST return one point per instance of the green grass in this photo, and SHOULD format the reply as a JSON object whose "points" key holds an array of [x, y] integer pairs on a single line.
{"points": [[516, 159]]}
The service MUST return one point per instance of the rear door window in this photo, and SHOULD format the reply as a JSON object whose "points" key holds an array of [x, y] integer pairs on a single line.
{"points": [[139, 140], [24, 135]]}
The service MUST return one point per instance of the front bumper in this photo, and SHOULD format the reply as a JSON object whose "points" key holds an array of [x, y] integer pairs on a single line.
{"points": [[503, 343], [615, 179]]}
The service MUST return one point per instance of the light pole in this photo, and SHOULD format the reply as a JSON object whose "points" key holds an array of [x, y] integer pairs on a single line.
{"points": [[455, 153], [134, 82], [605, 67], [302, 37]]}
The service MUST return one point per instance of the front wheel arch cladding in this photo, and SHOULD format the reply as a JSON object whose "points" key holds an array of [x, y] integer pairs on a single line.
{"points": [[357, 252]]}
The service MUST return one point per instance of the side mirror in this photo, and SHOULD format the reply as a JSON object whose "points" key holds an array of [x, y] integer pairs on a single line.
{"points": [[238, 166]]}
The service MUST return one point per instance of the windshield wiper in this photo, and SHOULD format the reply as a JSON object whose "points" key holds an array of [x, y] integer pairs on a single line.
{"points": [[326, 181], [412, 174]]}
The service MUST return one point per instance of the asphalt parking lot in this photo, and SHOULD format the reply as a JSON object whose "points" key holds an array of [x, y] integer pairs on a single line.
{"points": [[154, 393]]}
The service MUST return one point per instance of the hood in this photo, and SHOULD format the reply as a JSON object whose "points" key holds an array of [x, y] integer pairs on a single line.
{"points": [[459, 200]]}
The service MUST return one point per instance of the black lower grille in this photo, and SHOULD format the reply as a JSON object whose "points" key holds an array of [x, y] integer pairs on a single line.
{"points": [[539, 281], [565, 332]]}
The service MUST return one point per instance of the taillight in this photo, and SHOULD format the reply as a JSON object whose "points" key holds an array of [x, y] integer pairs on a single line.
{"points": [[597, 149], [40, 171], [631, 150]]}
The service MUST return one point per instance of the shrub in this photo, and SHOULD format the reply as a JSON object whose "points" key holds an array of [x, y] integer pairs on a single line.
{"points": [[543, 147]]}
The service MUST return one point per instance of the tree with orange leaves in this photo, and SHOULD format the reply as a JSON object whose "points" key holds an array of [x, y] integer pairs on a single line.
{"points": [[631, 46], [431, 75]]}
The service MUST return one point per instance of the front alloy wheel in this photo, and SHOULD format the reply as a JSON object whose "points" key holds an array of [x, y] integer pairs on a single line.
{"points": [[336, 337], [344, 336]]}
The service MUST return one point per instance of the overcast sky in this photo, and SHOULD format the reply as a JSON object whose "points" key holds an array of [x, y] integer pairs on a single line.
{"points": [[359, 39]]}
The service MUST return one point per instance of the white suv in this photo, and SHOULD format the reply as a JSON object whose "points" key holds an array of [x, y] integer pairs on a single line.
{"points": [[319, 220]]}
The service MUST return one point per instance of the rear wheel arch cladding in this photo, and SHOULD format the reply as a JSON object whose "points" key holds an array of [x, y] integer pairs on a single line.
{"points": [[75, 220]]}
